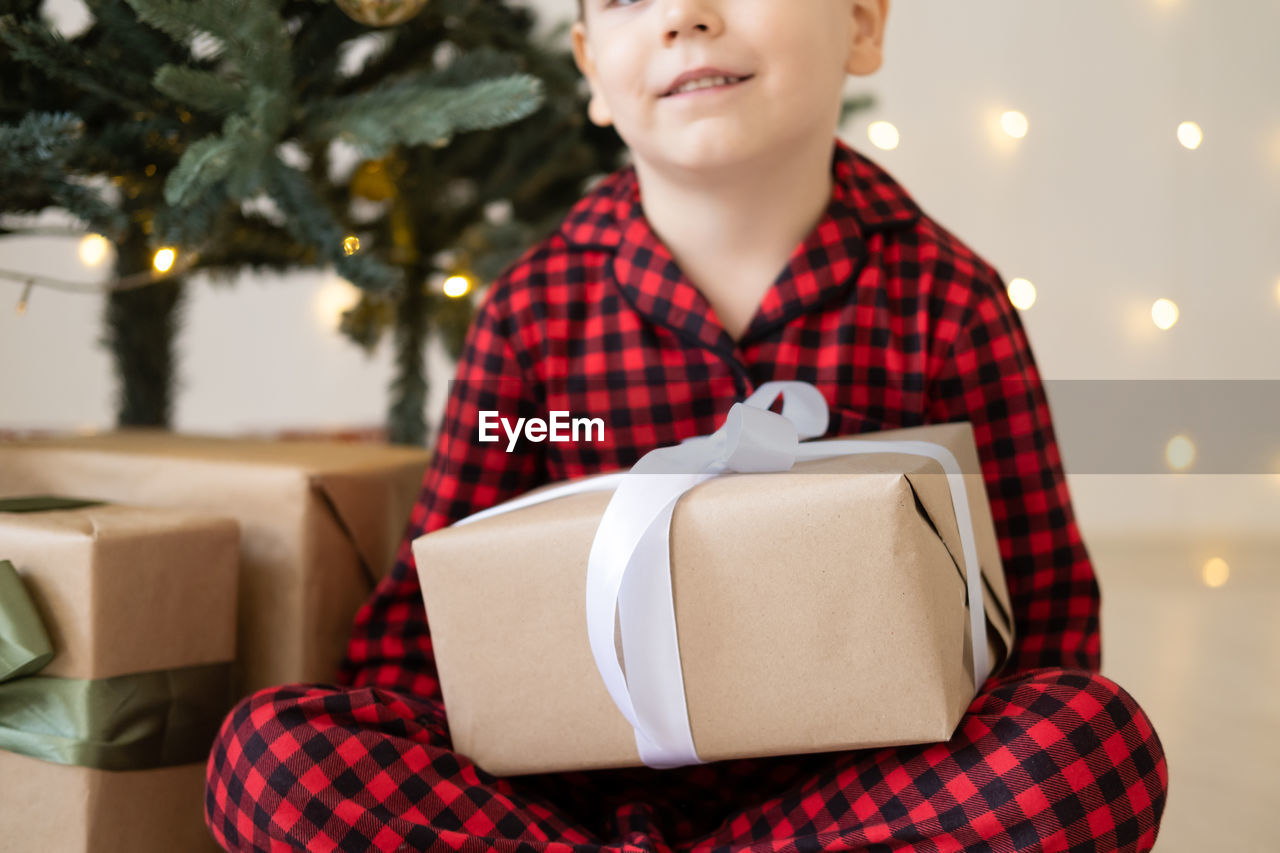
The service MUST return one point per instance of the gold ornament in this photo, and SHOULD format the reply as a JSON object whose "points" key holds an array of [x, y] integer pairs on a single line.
{"points": [[381, 13], [376, 179]]}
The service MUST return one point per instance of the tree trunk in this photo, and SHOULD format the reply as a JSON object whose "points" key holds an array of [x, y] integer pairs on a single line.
{"points": [[141, 326]]}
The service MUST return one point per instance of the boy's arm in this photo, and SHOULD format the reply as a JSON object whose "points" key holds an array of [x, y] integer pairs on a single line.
{"points": [[390, 645], [989, 378]]}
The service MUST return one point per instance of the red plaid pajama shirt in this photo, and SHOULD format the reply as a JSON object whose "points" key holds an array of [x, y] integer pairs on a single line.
{"points": [[898, 324]]}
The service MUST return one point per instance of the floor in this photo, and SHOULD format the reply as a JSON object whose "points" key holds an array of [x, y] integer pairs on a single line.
{"points": [[1204, 662]]}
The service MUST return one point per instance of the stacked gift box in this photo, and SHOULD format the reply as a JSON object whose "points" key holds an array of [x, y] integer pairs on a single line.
{"points": [[117, 633], [320, 523], [190, 551]]}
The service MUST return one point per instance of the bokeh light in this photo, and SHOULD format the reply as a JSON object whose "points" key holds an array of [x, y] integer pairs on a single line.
{"points": [[1190, 135], [1164, 313], [93, 248], [1180, 452], [1014, 123], [164, 259], [883, 135], [1022, 293]]}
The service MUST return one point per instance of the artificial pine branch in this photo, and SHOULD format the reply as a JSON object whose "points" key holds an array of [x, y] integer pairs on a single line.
{"points": [[40, 139], [201, 90], [34, 171], [309, 221], [35, 43], [411, 113], [317, 49], [120, 27]]}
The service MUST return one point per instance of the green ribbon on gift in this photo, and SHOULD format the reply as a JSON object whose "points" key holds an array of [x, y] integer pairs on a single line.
{"points": [[126, 722]]}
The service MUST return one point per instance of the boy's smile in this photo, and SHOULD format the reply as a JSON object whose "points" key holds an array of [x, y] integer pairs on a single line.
{"points": [[706, 79], [795, 57]]}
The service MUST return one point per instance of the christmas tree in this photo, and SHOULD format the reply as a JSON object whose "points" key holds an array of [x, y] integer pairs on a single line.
{"points": [[206, 136]]}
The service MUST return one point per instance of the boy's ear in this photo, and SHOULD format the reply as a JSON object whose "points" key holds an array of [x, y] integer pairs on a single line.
{"points": [[597, 109], [866, 50]]}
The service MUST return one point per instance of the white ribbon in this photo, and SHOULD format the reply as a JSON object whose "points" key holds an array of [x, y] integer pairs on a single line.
{"points": [[629, 568]]}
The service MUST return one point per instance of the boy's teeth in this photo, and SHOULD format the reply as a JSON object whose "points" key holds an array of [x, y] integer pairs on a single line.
{"points": [[705, 82]]}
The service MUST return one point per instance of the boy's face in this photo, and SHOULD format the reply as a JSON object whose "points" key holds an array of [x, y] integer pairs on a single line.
{"points": [[798, 53]]}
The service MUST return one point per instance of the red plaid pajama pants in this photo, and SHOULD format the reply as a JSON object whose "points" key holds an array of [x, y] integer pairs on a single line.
{"points": [[1047, 759]]}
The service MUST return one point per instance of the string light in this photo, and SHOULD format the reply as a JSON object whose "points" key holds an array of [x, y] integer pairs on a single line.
{"points": [[166, 264], [351, 244], [93, 248], [164, 259], [1190, 135], [1022, 293], [22, 300], [456, 286], [1215, 572], [1180, 452], [1014, 123], [883, 135], [1164, 313]]}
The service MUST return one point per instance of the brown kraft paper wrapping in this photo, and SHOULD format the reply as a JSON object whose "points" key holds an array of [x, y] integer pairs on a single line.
{"points": [[817, 610], [320, 524], [120, 590]]}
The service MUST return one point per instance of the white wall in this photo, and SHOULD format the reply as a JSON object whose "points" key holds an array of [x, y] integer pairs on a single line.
{"points": [[1099, 207]]}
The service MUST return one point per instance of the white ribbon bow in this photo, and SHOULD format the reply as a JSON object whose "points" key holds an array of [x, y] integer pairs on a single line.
{"points": [[629, 568]]}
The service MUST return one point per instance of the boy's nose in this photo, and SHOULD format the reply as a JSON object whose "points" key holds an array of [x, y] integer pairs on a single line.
{"points": [[681, 17]]}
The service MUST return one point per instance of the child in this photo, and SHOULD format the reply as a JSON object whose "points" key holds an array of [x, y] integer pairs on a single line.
{"points": [[745, 244]]}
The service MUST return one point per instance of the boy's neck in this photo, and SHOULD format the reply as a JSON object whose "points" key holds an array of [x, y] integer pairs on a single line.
{"points": [[736, 222]]}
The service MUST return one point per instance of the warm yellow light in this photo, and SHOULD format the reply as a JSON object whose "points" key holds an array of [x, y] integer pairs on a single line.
{"points": [[1014, 123], [883, 135], [1164, 313], [351, 244], [1180, 452], [1022, 293], [93, 248], [1215, 572], [456, 285], [164, 259], [333, 299], [1190, 135]]}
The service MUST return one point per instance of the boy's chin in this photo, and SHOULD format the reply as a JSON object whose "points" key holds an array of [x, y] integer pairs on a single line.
{"points": [[706, 148], [711, 158]]}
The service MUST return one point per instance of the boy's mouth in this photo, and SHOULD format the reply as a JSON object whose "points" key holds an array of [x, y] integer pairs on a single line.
{"points": [[706, 85]]}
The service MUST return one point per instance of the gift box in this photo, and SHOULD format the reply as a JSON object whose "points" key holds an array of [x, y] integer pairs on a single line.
{"points": [[768, 605], [320, 524], [117, 632]]}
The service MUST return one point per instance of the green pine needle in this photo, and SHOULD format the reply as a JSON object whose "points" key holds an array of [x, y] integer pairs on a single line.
{"points": [[202, 90], [409, 114]]}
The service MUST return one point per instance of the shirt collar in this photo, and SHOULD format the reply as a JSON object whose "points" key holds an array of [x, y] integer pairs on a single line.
{"points": [[865, 199]]}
